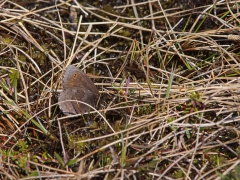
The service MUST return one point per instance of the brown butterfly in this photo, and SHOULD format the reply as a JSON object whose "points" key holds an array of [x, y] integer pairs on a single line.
{"points": [[77, 87]]}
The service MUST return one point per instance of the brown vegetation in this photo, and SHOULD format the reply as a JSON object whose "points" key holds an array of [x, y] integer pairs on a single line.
{"points": [[168, 75]]}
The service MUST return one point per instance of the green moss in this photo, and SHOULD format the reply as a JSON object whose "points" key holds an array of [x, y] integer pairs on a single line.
{"points": [[178, 174]]}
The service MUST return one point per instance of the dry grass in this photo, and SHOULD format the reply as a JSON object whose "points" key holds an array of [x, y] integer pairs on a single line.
{"points": [[169, 83]]}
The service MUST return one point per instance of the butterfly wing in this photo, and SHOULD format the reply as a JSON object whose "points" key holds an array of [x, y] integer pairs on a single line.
{"points": [[75, 78], [64, 104], [88, 98]]}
